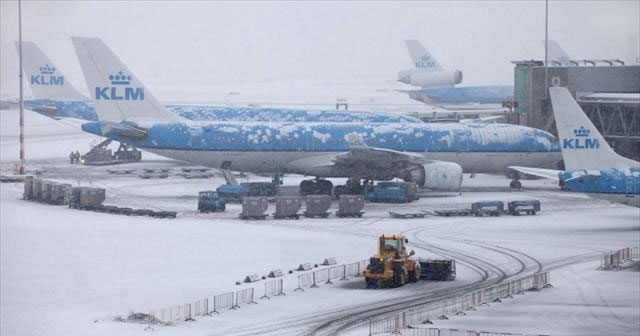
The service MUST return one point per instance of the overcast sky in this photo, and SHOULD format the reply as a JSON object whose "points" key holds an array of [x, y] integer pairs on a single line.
{"points": [[218, 42]]}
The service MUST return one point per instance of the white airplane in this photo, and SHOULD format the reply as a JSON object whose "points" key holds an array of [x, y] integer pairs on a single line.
{"points": [[591, 166], [432, 155]]}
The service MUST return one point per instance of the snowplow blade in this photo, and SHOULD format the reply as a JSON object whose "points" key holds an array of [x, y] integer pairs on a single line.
{"points": [[437, 269]]}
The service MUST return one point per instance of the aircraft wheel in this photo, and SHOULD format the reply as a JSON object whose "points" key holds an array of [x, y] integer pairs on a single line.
{"points": [[324, 187], [307, 187], [515, 184]]}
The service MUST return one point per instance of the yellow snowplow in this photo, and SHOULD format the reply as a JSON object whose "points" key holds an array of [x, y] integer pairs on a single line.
{"points": [[392, 266]]}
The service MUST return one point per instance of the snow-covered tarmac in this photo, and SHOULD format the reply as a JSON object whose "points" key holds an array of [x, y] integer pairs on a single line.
{"points": [[70, 272]]}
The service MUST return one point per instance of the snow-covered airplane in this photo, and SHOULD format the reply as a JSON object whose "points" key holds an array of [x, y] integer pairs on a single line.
{"points": [[438, 84], [432, 155], [55, 96], [591, 166]]}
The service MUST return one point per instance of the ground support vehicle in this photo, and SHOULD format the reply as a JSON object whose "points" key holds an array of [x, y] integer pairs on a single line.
{"points": [[231, 193], [529, 207], [391, 266], [317, 206], [350, 206], [491, 208], [101, 155], [208, 201], [391, 192], [254, 208]]}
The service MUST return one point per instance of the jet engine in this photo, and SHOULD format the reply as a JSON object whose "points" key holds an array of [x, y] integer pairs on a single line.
{"points": [[445, 176], [432, 79]]}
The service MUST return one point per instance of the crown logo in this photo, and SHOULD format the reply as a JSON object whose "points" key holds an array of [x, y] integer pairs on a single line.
{"points": [[120, 79], [47, 70], [581, 132]]}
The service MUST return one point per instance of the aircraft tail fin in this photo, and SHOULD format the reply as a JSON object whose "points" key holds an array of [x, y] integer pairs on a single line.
{"points": [[45, 79], [117, 93], [421, 58], [557, 55], [583, 147]]}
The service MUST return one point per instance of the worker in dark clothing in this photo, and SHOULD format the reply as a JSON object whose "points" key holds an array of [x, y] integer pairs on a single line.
{"points": [[77, 157], [72, 157]]}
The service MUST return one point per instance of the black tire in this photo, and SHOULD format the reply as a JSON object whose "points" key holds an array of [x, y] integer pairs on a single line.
{"points": [[324, 187], [414, 275], [400, 276], [515, 184], [307, 187]]}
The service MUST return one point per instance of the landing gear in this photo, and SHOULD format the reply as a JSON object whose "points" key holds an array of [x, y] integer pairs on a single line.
{"points": [[352, 187], [316, 187], [515, 185]]}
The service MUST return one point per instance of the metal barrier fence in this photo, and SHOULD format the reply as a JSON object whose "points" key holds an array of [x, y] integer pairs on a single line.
{"points": [[222, 301], [244, 296], [233, 300], [452, 332], [273, 288], [616, 259], [327, 275], [458, 305]]}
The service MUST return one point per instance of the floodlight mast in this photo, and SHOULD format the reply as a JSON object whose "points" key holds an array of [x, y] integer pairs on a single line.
{"points": [[22, 159]]}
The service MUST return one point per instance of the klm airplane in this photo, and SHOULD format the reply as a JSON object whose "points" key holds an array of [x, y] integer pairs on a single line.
{"points": [[438, 84], [592, 167], [55, 97], [432, 155]]}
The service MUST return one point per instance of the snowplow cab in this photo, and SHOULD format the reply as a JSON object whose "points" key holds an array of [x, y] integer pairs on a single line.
{"points": [[391, 266]]}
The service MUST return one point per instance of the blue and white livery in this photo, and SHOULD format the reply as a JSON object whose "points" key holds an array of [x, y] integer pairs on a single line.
{"points": [[438, 86], [56, 97], [432, 155], [592, 167]]}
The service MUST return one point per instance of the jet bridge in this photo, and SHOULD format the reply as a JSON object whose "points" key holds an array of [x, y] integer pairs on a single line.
{"points": [[607, 90]]}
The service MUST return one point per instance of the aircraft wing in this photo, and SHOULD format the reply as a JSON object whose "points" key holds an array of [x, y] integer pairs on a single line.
{"points": [[363, 154], [369, 161], [551, 174]]}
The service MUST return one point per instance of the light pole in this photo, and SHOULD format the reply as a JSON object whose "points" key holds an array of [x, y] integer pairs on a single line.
{"points": [[22, 160], [546, 48]]}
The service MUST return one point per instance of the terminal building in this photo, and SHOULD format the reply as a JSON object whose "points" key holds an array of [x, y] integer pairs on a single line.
{"points": [[607, 90]]}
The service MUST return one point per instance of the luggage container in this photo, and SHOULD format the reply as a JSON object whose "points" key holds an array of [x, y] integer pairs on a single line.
{"points": [[491, 208], [45, 191], [60, 193], [28, 188], [287, 207], [529, 207], [317, 206], [92, 197], [36, 190], [350, 206], [254, 208]]}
